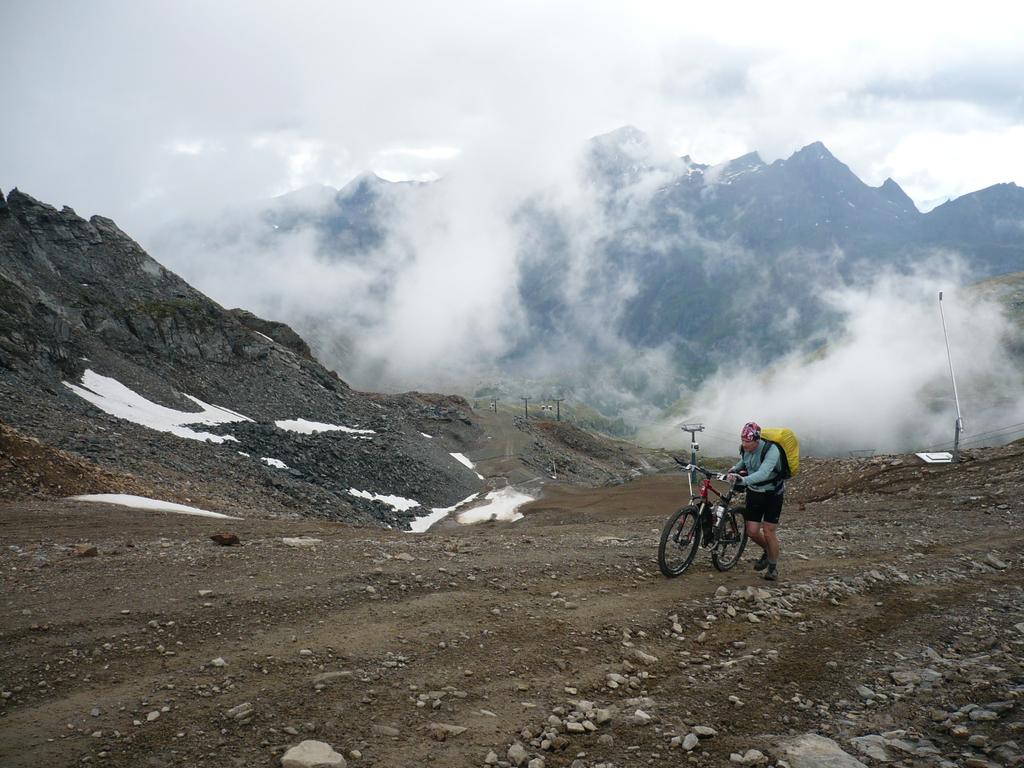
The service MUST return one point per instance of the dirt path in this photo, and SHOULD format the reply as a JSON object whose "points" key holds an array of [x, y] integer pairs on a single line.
{"points": [[499, 455], [367, 638]]}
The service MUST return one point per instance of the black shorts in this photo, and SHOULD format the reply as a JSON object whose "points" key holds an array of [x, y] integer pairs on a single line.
{"points": [[764, 507]]}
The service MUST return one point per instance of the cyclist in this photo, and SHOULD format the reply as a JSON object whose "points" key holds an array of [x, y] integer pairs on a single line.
{"points": [[764, 495]]}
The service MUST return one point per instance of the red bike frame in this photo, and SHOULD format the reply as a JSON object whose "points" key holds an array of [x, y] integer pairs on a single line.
{"points": [[705, 486]]}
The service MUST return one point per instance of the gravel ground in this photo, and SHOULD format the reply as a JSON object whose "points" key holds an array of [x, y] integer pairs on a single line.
{"points": [[896, 633]]}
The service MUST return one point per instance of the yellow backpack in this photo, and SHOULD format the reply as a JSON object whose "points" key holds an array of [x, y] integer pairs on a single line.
{"points": [[789, 449]]}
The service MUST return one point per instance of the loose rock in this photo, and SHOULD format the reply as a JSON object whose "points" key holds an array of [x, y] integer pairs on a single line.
{"points": [[312, 754]]}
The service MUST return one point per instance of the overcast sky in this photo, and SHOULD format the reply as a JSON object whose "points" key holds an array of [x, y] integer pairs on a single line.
{"points": [[145, 111]]}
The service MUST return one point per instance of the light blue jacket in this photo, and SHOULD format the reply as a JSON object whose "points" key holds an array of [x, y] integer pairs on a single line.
{"points": [[759, 472]]}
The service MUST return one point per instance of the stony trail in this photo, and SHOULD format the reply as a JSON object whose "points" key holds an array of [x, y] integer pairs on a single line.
{"points": [[896, 631]]}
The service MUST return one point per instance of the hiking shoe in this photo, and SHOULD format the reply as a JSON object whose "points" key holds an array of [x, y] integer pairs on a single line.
{"points": [[772, 574], [761, 564]]}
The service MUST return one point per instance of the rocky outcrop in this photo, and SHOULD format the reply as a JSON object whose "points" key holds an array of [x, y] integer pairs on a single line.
{"points": [[71, 283], [279, 332], [30, 469]]}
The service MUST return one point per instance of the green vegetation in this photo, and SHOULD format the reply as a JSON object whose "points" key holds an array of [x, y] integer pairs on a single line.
{"points": [[585, 417], [1008, 290]]}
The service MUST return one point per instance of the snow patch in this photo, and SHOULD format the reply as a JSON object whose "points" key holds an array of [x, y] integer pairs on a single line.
{"points": [[461, 458], [503, 506], [312, 427], [273, 462], [141, 502], [113, 397], [397, 503], [421, 524]]}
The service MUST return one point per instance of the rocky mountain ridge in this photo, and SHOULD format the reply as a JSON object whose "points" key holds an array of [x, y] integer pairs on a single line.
{"points": [[650, 266]]}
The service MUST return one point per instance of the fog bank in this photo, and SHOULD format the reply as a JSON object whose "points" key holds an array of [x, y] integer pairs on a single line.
{"points": [[883, 382]]}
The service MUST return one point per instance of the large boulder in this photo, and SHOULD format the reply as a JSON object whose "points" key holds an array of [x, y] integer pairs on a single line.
{"points": [[814, 751], [312, 754]]}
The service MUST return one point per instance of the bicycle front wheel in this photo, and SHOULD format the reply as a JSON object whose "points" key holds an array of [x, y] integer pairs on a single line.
{"points": [[732, 540], [680, 539]]}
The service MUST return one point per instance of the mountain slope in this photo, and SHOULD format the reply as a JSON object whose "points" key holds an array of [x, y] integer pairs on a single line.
{"points": [[1008, 292], [988, 223], [83, 303]]}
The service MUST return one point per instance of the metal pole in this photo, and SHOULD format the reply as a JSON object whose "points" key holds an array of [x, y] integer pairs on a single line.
{"points": [[693, 429], [558, 408], [526, 407], [956, 398]]}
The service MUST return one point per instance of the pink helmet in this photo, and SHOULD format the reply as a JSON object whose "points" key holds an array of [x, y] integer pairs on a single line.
{"points": [[751, 431]]}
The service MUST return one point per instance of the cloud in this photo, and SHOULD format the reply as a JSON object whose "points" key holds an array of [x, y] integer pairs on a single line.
{"points": [[185, 147], [432, 301], [317, 92], [980, 152], [460, 247], [413, 163], [425, 153], [883, 382]]}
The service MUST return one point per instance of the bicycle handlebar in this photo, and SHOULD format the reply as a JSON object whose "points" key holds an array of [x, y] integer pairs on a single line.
{"points": [[695, 468]]}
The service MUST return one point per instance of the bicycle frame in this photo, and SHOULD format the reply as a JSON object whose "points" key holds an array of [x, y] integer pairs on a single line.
{"points": [[705, 486]]}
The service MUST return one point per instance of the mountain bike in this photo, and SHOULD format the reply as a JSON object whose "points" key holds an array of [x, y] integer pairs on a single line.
{"points": [[712, 525]]}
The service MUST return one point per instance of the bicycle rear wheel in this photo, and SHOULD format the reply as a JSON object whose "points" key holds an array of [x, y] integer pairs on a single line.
{"points": [[732, 540], [680, 539]]}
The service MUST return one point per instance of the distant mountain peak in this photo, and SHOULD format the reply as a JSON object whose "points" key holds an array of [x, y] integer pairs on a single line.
{"points": [[627, 134], [312, 195], [894, 193], [730, 170], [813, 151], [625, 153], [366, 185], [815, 161], [365, 178], [749, 160]]}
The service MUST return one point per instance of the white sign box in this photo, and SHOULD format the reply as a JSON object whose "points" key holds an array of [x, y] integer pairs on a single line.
{"points": [[935, 458]]}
